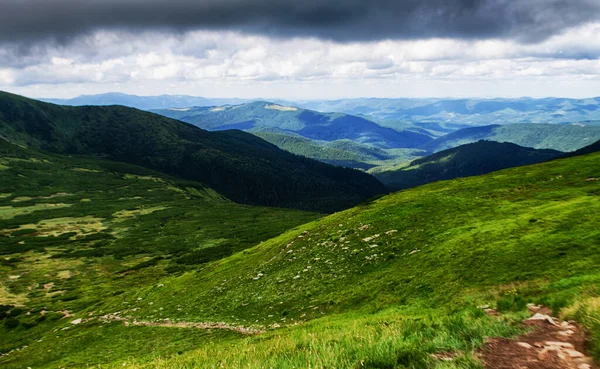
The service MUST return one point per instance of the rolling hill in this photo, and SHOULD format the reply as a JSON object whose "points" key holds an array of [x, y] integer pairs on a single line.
{"points": [[345, 153], [540, 136], [307, 123], [463, 161], [238, 165], [397, 282]]}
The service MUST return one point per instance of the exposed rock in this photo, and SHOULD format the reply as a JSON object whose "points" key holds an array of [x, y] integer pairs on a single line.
{"points": [[525, 345], [369, 239], [539, 316]]}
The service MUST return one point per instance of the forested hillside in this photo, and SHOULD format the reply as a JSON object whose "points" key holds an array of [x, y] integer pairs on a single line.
{"points": [[238, 165], [539, 136], [463, 161]]}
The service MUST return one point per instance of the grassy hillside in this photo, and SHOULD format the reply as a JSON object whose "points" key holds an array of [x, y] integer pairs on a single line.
{"points": [[310, 124], [540, 136], [77, 231], [390, 284], [462, 161], [238, 165]]}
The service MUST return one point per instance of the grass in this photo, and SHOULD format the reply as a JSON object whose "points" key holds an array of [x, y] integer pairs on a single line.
{"points": [[392, 283], [9, 212], [390, 339], [586, 310], [118, 228]]}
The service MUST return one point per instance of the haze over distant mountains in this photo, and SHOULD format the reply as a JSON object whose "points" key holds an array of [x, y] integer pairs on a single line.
{"points": [[470, 111], [142, 102], [263, 115]]}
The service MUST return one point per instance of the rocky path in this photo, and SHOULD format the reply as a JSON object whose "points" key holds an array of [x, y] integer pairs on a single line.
{"points": [[552, 344], [171, 324]]}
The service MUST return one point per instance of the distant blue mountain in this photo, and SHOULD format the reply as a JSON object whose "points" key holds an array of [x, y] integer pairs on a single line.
{"points": [[257, 116], [448, 114], [143, 102], [472, 112]]}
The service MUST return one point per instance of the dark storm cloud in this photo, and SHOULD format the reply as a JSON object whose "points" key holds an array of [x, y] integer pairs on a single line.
{"points": [[23, 21]]}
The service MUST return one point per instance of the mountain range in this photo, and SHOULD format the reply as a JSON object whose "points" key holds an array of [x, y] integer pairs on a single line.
{"points": [[238, 165], [425, 111], [468, 112], [314, 125], [142, 102]]}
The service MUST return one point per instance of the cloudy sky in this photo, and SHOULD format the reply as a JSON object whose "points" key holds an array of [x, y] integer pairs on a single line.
{"points": [[301, 49]]}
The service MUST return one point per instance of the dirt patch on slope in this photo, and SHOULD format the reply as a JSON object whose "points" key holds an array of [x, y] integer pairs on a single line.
{"points": [[552, 344]]}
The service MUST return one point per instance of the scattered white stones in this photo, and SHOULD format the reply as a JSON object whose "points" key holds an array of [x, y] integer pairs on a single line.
{"points": [[369, 239], [534, 308], [525, 345], [76, 321], [575, 354], [559, 344], [391, 231], [539, 316], [414, 252]]}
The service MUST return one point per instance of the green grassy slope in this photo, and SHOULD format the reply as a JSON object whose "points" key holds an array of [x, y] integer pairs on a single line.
{"points": [[532, 223], [76, 231], [390, 283], [462, 161], [539, 136], [238, 165], [307, 123]]}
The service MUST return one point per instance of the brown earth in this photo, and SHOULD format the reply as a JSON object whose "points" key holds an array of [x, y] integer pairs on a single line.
{"points": [[552, 344]]}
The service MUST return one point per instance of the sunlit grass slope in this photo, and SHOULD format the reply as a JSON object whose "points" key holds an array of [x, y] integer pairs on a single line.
{"points": [[402, 275]]}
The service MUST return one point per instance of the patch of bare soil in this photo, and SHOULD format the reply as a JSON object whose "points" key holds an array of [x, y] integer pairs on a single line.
{"points": [[552, 344]]}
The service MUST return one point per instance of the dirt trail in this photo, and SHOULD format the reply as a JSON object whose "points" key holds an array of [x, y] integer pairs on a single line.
{"points": [[170, 324], [553, 344]]}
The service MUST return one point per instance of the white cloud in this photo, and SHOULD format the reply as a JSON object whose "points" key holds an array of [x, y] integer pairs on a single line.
{"points": [[232, 64], [6, 77]]}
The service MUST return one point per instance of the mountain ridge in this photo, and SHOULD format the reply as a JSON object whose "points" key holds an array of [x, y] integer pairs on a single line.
{"points": [[467, 160], [239, 165], [307, 123]]}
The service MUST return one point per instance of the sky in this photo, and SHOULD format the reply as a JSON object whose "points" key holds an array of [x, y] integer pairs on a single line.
{"points": [[303, 49]]}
